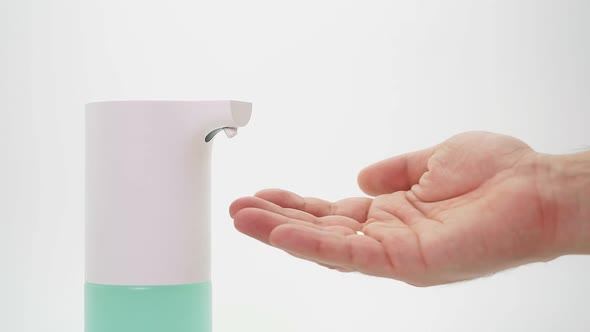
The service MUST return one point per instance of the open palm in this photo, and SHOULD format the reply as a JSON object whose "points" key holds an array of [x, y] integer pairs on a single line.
{"points": [[467, 207]]}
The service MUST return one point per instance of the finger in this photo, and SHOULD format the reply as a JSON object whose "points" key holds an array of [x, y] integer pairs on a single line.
{"points": [[334, 267], [331, 267], [259, 223], [355, 208], [268, 222], [354, 252], [341, 230], [394, 174], [342, 221], [338, 230], [256, 202]]}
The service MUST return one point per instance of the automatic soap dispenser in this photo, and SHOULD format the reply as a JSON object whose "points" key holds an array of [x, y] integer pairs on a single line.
{"points": [[147, 212]]}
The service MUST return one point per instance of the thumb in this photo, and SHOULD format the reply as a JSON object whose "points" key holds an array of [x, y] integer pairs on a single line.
{"points": [[394, 174]]}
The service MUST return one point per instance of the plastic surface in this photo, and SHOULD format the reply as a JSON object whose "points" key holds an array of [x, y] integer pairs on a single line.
{"points": [[148, 189], [176, 308]]}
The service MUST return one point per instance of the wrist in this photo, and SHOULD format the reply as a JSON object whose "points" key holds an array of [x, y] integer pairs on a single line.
{"points": [[564, 186]]}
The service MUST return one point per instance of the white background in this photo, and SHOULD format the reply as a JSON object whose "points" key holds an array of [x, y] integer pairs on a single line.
{"points": [[336, 85]]}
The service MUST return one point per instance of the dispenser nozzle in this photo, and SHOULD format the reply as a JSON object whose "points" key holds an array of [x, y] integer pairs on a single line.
{"points": [[226, 115], [229, 132]]}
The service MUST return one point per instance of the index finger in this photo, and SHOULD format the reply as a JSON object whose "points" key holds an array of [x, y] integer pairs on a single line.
{"points": [[355, 208]]}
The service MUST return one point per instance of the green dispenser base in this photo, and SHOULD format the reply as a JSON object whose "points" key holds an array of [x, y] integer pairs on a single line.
{"points": [[166, 308]]}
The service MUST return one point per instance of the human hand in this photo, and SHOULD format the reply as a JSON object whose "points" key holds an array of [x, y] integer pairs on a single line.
{"points": [[473, 205]]}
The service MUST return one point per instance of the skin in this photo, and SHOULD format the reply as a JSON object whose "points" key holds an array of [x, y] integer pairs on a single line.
{"points": [[471, 206]]}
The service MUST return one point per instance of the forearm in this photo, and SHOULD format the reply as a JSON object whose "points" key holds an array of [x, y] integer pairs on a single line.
{"points": [[567, 193]]}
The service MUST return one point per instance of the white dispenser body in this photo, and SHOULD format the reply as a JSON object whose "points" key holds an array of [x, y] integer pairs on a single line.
{"points": [[148, 189]]}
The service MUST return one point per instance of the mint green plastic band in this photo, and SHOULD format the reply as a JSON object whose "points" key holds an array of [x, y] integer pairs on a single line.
{"points": [[173, 308]]}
